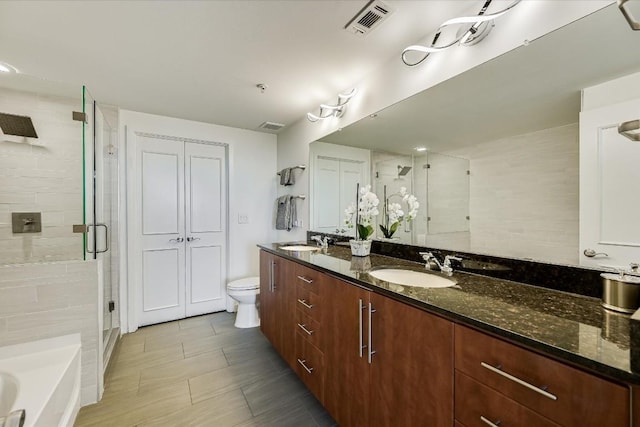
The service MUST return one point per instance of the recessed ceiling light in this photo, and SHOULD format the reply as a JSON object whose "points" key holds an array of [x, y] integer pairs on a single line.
{"points": [[7, 68], [421, 149]]}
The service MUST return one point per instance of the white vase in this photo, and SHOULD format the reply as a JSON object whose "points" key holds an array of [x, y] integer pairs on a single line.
{"points": [[360, 247]]}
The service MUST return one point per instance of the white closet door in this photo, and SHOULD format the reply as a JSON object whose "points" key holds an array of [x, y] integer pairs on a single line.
{"points": [[609, 187], [206, 233], [160, 212], [327, 186], [351, 174]]}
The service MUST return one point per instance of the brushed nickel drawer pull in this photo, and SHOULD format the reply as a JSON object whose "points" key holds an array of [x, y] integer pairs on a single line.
{"points": [[303, 327], [304, 279], [498, 370], [486, 421], [361, 307], [304, 302], [302, 362]]}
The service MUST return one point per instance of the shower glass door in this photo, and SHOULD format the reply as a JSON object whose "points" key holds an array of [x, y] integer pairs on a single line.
{"points": [[101, 211]]}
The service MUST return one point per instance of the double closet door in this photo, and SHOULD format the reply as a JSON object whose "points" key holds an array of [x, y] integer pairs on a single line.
{"points": [[182, 229]]}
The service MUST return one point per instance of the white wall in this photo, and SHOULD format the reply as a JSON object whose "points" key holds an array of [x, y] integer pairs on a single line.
{"points": [[395, 81], [44, 175], [48, 300], [252, 186]]}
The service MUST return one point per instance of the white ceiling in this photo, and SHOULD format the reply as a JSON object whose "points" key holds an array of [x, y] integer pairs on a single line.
{"points": [[201, 60], [528, 89]]}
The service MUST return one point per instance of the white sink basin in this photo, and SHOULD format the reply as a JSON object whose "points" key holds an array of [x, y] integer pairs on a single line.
{"points": [[299, 248], [411, 278]]}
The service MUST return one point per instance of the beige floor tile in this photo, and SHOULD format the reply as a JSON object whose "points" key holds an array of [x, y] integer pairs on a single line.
{"points": [[131, 408], [231, 378], [177, 337], [195, 321], [226, 409], [195, 346], [182, 369]]}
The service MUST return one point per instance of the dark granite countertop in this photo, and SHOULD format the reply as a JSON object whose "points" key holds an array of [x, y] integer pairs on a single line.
{"points": [[569, 327]]}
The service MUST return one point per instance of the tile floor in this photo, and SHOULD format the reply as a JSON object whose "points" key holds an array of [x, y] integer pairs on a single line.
{"points": [[202, 371]]}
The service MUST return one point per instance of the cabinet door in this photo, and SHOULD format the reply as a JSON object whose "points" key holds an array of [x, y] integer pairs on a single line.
{"points": [[266, 309], [346, 394], [412, 367], [284, 309]]}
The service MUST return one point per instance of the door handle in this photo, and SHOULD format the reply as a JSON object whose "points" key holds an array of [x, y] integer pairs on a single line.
{"points": [[192, 239], [590, 253], [361, 307], [371, 351], [106, 238], [178, 240]]}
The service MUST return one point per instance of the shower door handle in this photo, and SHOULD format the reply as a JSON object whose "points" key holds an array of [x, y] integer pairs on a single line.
{"points": [[95, 236], [106, 238]]}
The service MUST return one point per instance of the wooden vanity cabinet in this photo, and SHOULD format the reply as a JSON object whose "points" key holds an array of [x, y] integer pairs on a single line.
{"points": [[309, 307], [408, 378], [277, 290], [561, 393]]}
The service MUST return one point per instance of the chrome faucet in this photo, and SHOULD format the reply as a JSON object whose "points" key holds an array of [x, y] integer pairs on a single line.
{"points": [[320, 241], [444, 267]]}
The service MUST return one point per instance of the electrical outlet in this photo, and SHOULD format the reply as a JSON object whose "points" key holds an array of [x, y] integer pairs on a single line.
{"points": [[243, 219]]}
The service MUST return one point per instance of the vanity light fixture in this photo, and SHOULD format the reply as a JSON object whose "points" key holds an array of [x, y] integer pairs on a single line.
{"points": [[7, 68], [481, 24], [337, 110]]}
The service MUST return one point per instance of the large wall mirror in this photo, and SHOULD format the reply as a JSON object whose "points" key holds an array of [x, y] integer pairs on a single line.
{"points": [[501, 172]]}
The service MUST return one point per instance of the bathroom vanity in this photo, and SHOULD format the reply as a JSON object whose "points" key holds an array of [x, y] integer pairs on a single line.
{"points": [[484, 352]]}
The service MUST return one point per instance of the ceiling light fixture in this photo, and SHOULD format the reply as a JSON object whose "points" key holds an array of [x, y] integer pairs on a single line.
{"points": [[337, 110], [7, 68], [421, 149], [481, 24]]}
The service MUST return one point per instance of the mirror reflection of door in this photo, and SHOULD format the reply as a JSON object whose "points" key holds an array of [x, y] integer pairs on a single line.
{"points": [[336, 172]]}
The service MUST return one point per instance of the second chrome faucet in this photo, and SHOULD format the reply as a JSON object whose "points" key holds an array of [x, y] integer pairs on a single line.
{"points": [[433, 262]]}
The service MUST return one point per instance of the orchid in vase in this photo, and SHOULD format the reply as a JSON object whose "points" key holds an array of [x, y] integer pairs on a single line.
{"points": [[365, 209], [392, 213]]}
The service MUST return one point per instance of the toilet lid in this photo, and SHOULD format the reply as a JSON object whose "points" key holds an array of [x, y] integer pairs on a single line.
{"points": [[244, 284]]}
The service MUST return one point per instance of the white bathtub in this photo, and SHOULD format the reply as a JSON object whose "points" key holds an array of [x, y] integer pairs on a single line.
{"points": [[43, 378]]}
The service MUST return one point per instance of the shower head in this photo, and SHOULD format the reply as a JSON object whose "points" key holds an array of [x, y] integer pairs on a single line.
{"points": [[12, 124], [403, 170]]}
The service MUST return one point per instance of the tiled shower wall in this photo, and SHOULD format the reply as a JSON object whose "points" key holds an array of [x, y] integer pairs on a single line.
{"points": [[47, 300], [42, 175], [524, 196]]}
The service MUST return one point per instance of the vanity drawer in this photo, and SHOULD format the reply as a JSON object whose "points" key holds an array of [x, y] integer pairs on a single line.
{"points": [[309, 365], [559, 392], [307, 301], [475, 403], [308, 327], [308, 277]]}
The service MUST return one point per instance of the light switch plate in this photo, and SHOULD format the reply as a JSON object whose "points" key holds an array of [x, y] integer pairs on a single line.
{"points": [[243, 219]]}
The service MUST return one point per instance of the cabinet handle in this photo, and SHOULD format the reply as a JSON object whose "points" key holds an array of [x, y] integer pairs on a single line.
{"points": [[303, 327], [371, 351], [498, 370], [306, 368], [304, 279], [488, 422], [304, 302], [361, 307], [271, 276]]}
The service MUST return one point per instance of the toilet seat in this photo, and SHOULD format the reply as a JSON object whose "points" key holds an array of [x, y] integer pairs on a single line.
{"points": [[246, 284]]}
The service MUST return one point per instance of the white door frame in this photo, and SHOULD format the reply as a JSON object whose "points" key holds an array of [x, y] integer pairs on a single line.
{"points": [[132, 303]]}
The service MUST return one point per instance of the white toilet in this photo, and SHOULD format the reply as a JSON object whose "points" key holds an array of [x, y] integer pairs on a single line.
{"points": [[245, 291]]}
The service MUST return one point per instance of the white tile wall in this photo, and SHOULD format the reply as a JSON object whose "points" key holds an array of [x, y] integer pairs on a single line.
{"points": [[48, 300], [45, 177], [524, 196]]}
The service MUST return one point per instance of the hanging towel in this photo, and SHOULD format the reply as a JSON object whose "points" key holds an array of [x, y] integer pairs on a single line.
{"points": [[283, 212], [292, 178], [285, 175], [287, 213]]}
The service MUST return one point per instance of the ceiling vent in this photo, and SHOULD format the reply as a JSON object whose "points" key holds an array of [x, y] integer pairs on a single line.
{"points": [[271, 126], [368, 18]]}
